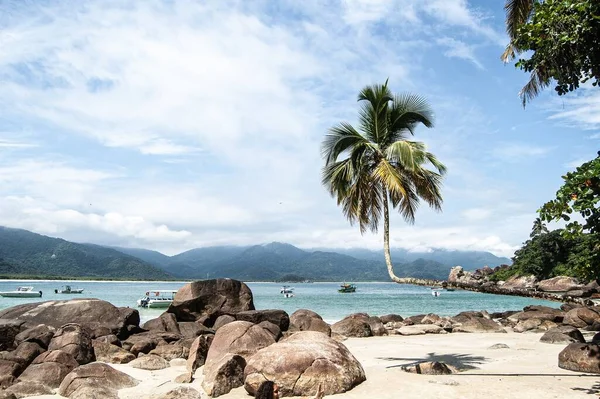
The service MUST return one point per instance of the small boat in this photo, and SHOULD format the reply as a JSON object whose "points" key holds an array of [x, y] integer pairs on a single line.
{"points": [[450, 289], [286, 289], [344, 287], [22, 292], [68, 290], [435, 293], [157, 299]]}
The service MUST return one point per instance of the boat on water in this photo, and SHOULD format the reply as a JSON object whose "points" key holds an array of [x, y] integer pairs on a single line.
{"points": [[286, 289], [22, 292], [450, 289], [345, 287], [67, 289], [157, 299], [435, 293]]}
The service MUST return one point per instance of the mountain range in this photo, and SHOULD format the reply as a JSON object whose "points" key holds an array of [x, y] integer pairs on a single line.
{"points": [[23, 253]]}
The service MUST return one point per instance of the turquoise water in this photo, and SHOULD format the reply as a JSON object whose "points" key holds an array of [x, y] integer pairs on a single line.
{"points": [[323, 298]]}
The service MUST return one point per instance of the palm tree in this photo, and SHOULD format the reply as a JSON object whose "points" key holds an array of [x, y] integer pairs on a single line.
{"points": [[380, 164], [538, 229], [518, 13]]}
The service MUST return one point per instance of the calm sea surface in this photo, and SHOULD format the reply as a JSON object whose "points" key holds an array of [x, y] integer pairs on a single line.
{"points": [[323, 298]]}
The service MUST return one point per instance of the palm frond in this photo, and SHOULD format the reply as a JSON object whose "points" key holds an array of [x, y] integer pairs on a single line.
{"points": [[389, 177], [428, 185], [517, 14], [406, 112], [374, 110], [408, 204], [441, 168], [537, 82], [339, 139], [406, 154]]}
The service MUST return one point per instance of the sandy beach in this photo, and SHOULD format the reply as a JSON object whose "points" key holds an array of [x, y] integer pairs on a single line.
{"points": [[526, 369]]}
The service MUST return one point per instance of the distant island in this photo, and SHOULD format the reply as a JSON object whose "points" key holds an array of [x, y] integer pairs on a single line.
{"points": [[24, 254]]}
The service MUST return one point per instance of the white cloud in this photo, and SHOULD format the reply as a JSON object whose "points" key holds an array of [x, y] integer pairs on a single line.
{"points": [[459, 49], [476, 214], [15, 144], [515, 152], [580, 109]]}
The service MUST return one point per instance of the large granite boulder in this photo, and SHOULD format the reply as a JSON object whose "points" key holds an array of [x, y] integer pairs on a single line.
{"points": [[581, 317], [50, 368], [197, 354], [9, 329], [233, 344], [520, 283], [145, 342], [391, 318], [75, 340], [90, 313], [171, 351], [307, 320], [164, 322], [301, 362], [179, 393], [580, 357], [25, 389], [40, 334], [562, 335], [222, 320], [538, 312], [149, 362], [24, 354], [355, 325], [471, 322], [420, 329], [110, 353], [211, 298], [458, 275], [95, 377], [559, 284], [9, 371], [278, 317]]}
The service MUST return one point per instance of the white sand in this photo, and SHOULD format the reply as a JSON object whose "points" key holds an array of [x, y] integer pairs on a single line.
{"points": [[527, 369]]}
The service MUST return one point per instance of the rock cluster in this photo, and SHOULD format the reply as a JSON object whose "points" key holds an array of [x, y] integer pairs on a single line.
{"points": [[561, 288]]}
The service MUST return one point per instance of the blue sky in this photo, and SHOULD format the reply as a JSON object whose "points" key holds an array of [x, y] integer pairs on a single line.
{"points": [[172, 125]]}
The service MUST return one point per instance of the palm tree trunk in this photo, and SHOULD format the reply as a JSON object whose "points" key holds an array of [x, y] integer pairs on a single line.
{"points": [[387, 254]]}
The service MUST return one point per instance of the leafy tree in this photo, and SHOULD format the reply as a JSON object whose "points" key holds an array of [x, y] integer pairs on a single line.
{"points": [[579, 193], [561, 37], [542, 254], [380, 164]]}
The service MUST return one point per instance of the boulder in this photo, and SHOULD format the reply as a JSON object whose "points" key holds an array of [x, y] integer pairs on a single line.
{"points": [[29, 388], [9, 370], [179, 393], [164, 322], [562, 335], [527, 325], [49, 368], [197, 354], [430, 368], [580, 357], [377, 327], [456, 275], [95, 376], [301, 362], [499, 346], [581, 317], [278, 317], [414, 319], [9, 329], [222, 320], [88, 313], [431, 318], [191, 329], [170, 352], [110, 353], [307, 320], [356, 325], [389, 318], [149, 362], [559, 284], [75, 340], [272, 329], [108, 339], [40, 334], [538, 312], [224, 374], [24, 354], [420, 329], [211, 298], [240, 337], [478, 324], [520, 283], [145, 342], [7, 395]]}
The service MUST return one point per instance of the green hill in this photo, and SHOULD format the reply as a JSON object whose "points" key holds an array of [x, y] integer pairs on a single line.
{"points": [[28, 254]]}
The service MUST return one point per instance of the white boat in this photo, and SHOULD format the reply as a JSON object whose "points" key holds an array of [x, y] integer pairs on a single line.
{"points": [[157, 299], [68, 290], [22, 292], [435, 293], [286, 289]]}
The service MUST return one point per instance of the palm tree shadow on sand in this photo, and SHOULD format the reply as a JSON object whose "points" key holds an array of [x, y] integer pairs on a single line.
{"points": [[462, 362], [593, 390]]}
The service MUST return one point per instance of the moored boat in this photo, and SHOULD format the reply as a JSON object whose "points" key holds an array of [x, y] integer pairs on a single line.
{"points": [[22, 292], [67, 289], [286, 289], [157, 299], [345, 287]]}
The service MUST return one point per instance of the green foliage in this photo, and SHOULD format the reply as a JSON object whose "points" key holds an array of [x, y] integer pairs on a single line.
{"points": [[505, 274], [560, 38], [580, 193]]}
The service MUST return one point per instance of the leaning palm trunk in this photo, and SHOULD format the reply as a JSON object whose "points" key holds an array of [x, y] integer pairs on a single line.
{"points": [[388, 256]]}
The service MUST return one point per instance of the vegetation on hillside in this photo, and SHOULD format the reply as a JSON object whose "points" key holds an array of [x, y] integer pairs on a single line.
{"points": [[381, 164], [572, 251]]}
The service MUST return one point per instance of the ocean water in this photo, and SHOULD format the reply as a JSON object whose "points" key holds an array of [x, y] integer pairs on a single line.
{"points": [[372, 298]]}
